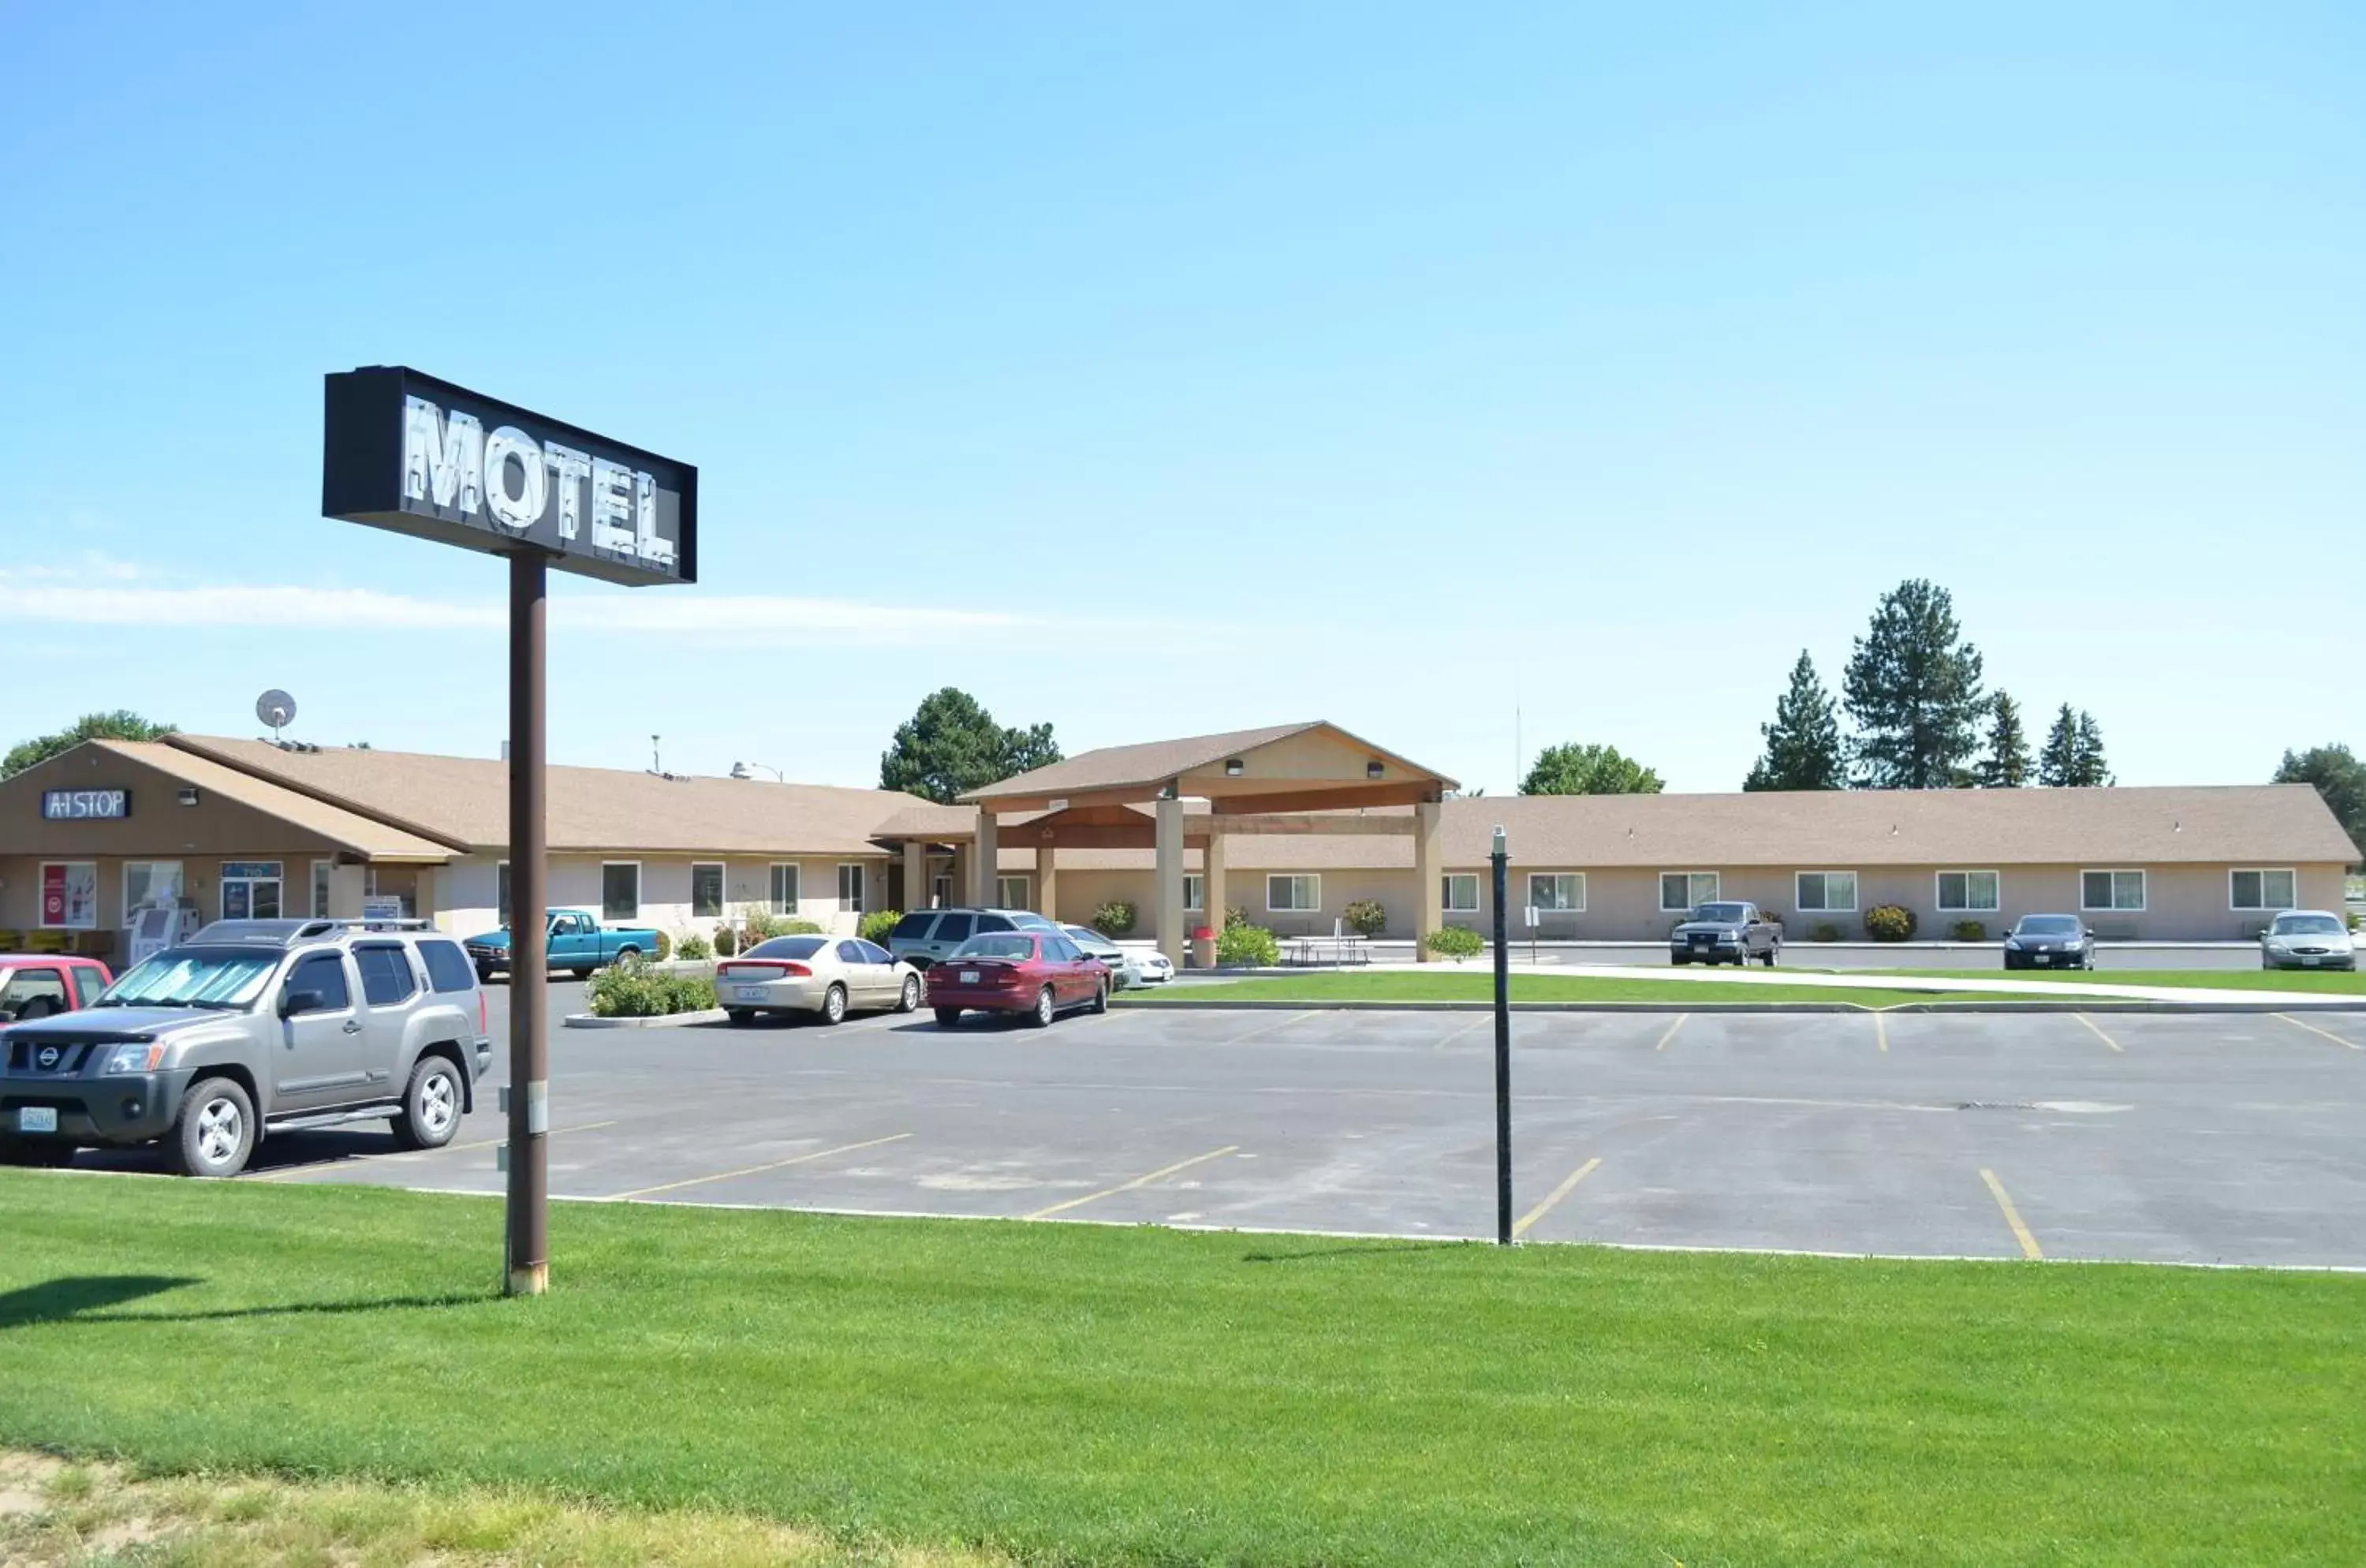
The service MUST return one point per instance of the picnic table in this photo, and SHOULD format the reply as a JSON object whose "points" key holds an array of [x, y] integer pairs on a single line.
{"points": [[1331, 950]]}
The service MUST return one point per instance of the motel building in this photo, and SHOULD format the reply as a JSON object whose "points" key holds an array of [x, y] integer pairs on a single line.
{"points": [[1289, 825]]}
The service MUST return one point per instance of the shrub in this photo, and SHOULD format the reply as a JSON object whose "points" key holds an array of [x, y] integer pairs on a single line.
{"points": [[1366, 918], [1970, 931], [762, 925], [726, 941], [665, 948], [1823, 931], [799, 928], [691, 947], [875, 925], [1455, 941], [636, 990], [1114, 919], [1889, 922], [1247, 947], [1235, 916]]}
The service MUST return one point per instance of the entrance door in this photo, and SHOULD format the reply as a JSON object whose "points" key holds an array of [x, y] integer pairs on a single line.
{"points": [[250, 890]]}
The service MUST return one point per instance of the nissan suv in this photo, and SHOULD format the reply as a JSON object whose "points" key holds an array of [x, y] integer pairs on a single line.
{"points": [[254, 1027], [925, 936]]}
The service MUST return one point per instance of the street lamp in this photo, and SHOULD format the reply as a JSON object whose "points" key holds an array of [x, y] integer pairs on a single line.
{"points": [[1497, 863], [739, 770]]}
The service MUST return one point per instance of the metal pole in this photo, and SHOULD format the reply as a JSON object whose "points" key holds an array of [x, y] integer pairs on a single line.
{"points": [[1500, 859], [529, 1126]]}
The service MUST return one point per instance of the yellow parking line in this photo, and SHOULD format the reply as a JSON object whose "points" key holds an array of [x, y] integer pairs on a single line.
{"points": [[1560, 1193], [1671, 1034], [1138, 1181], [1468, 1027], [409, 1154], [2098, 1032], [1269, 1027], [2325, 1032], [759, 1169], [2011, 1216]]}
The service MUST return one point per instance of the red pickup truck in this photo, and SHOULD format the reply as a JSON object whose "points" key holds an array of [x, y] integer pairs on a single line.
{"points": [[35, 985]]}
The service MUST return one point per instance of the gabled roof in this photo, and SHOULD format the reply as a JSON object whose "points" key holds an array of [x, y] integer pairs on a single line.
{"points": [[338, 827], [464, 801], [1150, 764]]}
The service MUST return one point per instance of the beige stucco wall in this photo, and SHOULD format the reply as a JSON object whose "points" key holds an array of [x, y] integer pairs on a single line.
{"points": [[472, 890]]}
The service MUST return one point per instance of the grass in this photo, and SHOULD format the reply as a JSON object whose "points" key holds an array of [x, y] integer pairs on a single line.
{"points": [[2223, 979], [1473, 986], [1088, 1394]]}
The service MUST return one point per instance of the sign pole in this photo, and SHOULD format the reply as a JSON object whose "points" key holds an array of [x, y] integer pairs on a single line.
{"points": [[529, 1098], [1500, 860]]}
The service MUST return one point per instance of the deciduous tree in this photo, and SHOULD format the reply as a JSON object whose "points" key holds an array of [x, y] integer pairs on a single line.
{"points": [[2339, 777], [951, 746], [1578, 769], [121, 725]]}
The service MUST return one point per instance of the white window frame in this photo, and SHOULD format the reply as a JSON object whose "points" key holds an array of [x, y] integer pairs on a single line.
{"points": [[797, 886], [1446, 884], [1800, 901], [47, 924], [2143, 889], [940, 890], [1312, 878], [2262, 873], [1577, 880], [1195, 892], [221, 892], [1716, 890], [1022, 880], [861, 899], [180, 874], [324, 886], [722, 888], [605, 914], [1939, 900]]}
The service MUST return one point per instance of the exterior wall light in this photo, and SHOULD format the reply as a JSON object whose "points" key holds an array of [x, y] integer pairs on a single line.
{"points": [[188, 796], [1235, 768], [1373, 770]]}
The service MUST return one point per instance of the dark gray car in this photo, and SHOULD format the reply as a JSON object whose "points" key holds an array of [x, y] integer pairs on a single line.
{"points": [[2049, 941], [254, 1027], [1729, 931]]}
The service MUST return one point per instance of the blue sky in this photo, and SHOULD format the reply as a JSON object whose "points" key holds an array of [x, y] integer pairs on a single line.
{"points": [[1159, 369]]}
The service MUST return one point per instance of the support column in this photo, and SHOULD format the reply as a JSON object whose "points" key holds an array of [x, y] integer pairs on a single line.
{"points": [[916, 874], [1167, 888], [347, 884], [529, 1090], [1428, 888], [986, 861], [1046, 904], [1211, 900]]}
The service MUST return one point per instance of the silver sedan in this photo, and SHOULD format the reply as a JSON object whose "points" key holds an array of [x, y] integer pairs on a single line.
{"points": [[825, 975]]}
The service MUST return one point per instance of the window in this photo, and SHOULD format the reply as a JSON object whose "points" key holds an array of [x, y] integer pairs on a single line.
{"points": [[2111, 890], [1558, 891], [1011, 892], [447, 966], [620, 890], [321, 889], [1458, 892], [850, 888], [1284, 895], [2261, 890], [788, 885], [323, 974], [1195, 891], [956, 928], [250, 889], [985, 923], [873, 954], [385, 973], [706, 890], [1828, 892], [1060, 950], [1681, 891], [501, 891], [34, 993], [850, 952], [1968, 892], [147, 879], [70, 894]]}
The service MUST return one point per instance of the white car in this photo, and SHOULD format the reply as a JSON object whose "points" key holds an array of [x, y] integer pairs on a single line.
{"points": [[1151, 966], [2307, 938], [1092, 945], [825, 975]]}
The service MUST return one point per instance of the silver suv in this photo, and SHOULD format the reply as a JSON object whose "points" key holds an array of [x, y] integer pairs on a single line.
{"points": [[929, 936], [254, 1027]]}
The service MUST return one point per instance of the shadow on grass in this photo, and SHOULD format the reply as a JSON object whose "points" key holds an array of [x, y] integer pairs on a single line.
{"points": [[89, 1299], [1367, 1250]]}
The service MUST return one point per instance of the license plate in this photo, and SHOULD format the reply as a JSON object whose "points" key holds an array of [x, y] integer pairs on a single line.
{"points": [[2043, 959], [37, 1119], [969, 976], [2310, 958], [751, 992]]}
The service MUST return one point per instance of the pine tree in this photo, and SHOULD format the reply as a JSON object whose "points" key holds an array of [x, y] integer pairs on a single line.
{"points": [[2007, 764], [951, 746], [1803, 744], [2057, 763], [2089, 770], [1913, 690]]}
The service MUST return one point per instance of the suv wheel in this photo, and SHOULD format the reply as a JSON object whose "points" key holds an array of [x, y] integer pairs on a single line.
{"points": [[214, 1133], [1041, 1015], [431, 1106], [908, 998], [833, 1005]]}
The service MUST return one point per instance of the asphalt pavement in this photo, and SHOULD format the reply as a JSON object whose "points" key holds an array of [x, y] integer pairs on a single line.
{"points": [[2222, 1138]]}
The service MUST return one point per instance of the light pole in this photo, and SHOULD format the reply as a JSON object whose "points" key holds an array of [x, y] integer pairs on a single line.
{"points": [[1500, 860], [739, 770]]}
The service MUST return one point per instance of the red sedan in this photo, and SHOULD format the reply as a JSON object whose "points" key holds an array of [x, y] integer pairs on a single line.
{"points": [[1033, 973]]}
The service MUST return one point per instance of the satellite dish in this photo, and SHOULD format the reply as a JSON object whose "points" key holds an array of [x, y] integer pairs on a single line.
{"points": [[276, 708]]}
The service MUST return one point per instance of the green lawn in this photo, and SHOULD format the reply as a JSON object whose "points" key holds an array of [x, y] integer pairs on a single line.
{"points": [[2223, 979], [1476, 985], [1089, 1394]]}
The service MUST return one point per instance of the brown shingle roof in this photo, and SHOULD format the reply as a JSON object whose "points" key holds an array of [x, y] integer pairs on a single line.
{"points": [[363, 835], [464, 801], [1150, 764]]}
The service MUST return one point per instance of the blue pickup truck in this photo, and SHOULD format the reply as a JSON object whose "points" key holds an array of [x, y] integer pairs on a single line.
{"points": [[576, 942]]}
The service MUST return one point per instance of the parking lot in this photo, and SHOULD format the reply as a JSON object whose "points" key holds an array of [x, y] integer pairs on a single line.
{"points": [[2207, 1138]]}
